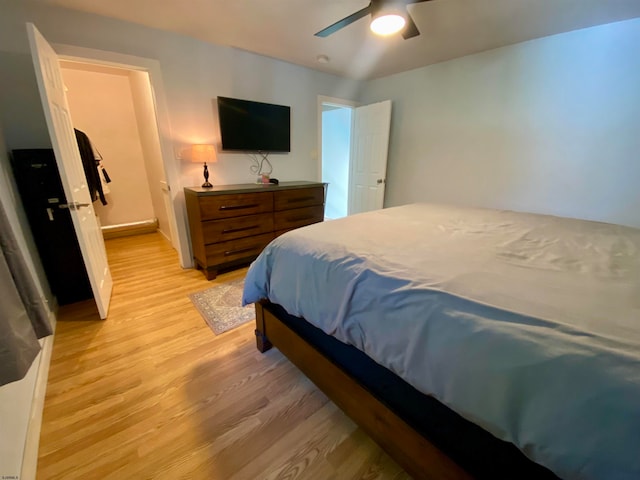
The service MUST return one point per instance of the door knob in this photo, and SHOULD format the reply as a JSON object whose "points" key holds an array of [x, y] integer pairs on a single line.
{"points": [[379, 181], [73, 205]]}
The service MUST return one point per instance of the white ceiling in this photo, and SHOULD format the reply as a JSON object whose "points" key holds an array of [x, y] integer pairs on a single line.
{"points": [[284, 29]]}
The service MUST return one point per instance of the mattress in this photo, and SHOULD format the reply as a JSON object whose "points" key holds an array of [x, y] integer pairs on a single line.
{"points": [[526, 325]]}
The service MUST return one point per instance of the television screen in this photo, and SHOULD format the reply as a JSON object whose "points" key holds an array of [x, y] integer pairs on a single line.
{"points": [[254, 126]]}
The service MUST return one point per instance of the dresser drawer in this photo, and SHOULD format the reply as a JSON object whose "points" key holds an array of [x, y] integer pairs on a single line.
{"points": [[215, 231], [214, 207], [297, 198], [298, 217], [247, 247]]}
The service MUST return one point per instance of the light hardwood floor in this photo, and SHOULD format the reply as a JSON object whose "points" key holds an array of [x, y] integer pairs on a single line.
{"points": [[151, 392]]}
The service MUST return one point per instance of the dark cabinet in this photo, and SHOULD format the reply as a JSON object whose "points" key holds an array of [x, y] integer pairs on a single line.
{"points": [[38, 181]]}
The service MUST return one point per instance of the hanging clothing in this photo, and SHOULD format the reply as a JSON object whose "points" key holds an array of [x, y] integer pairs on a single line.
{"points": [[105, 180], [90, 167]]}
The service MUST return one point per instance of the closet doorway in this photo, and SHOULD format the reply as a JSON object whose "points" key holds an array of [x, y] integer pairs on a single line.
{"points": [[114, 107], [149, 76]]}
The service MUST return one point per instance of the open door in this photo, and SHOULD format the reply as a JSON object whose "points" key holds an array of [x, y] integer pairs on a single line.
{"points": [[369, 148], [74, 182]]}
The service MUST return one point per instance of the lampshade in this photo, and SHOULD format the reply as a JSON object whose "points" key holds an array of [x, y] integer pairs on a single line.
{"points": [[200, 153], [388, 19]]}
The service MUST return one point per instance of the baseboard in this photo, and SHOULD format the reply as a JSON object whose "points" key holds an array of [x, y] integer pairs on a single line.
{"points": [[128, 229], [32, 442]]}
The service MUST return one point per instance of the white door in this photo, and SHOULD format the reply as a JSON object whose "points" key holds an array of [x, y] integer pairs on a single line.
{"points": [[69, 163], [369, 148]]}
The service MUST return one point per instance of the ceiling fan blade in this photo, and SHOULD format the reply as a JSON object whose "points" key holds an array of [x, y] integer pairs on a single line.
{"points": [[410, 29], [344, 22]]}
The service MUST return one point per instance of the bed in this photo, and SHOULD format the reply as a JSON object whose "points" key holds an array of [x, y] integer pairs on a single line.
{"points": [[468, 342]]}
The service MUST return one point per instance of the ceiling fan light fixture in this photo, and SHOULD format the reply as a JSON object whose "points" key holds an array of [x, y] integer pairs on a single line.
{"points": [[387, 23]]}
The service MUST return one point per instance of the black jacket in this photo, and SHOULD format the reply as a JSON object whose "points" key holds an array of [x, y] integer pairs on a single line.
{"points": [[90, 167]]}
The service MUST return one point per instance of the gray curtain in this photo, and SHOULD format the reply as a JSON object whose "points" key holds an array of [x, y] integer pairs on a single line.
{"points": [[24, 316]]}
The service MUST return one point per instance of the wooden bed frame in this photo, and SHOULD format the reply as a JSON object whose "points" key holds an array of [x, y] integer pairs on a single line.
{"points": [[417, 455]]}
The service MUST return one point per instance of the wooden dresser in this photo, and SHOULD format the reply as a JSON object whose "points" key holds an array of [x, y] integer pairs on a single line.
{"points": [[231, 224]]}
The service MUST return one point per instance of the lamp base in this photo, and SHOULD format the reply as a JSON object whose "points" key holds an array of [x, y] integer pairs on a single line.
{"points": [[206, 183]]}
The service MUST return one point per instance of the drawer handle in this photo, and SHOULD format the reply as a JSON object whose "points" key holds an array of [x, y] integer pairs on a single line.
{"points": [[300, 199], [299, 219], [240, 250], [242, 229], [238, 207]]}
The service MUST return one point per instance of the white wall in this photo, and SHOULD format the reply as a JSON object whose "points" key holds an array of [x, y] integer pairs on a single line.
{"points": [[550, 125]]}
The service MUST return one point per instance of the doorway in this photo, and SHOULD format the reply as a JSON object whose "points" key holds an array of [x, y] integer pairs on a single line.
{"points": [[354, 143], [149, 71], [114, 107], [335, 125], [336, 145]]}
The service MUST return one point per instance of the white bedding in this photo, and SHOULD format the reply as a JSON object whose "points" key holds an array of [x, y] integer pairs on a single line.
{"points": [[527, 325]]}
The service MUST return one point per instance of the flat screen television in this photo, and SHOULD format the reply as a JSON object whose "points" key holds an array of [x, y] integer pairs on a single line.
{"points": [[250, 126]]}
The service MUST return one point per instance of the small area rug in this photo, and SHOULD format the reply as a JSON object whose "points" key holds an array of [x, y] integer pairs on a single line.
{"points": [[221, 306]]}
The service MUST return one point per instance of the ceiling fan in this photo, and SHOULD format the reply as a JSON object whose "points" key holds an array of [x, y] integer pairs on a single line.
{"points": [[393, 13]]}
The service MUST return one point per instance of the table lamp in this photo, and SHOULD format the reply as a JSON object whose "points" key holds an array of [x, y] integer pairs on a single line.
{"points": [[203, 154]]}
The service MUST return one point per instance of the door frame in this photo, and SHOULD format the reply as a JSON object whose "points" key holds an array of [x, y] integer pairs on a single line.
{"points": [[177, 213]]}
